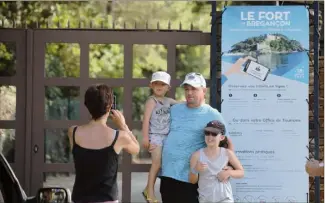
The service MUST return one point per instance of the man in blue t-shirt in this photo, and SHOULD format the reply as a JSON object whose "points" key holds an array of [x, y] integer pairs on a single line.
{"points": [[185, 137]]}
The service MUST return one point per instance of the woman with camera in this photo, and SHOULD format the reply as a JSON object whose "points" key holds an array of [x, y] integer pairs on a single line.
{"points": [[96, 147]]}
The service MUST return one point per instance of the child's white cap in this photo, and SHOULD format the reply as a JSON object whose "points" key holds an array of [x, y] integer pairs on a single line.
{"points": [[161, 76]]}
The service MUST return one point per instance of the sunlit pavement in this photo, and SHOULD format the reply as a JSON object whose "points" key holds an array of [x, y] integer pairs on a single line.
{"points": [[138, 183]]}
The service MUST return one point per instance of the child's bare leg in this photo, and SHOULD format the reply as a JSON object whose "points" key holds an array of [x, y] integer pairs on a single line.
{"points": [[155, 166]]}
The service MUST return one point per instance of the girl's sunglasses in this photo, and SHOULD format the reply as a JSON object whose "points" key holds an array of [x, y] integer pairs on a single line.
{"points": [[207, 133]]}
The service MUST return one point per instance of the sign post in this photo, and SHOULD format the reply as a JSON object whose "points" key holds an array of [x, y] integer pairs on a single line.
{"points": [[265, 81]]}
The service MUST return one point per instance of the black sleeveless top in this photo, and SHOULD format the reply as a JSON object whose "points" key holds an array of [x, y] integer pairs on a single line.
{"points": [[96, 173]]}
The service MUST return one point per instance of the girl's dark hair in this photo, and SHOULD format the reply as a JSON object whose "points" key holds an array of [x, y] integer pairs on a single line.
{"points": [[222, 127], [97, 99], [224, 143]]}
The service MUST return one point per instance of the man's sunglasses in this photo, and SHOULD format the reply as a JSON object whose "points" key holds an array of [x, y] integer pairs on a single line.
{"points": [[207, 133]]}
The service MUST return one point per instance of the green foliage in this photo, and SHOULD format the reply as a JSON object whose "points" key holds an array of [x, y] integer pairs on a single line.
{"points": [[7, 59], [148, 59], [139, 98], [61, 103], [286, 45], [57, 139], [106, 61], [7, 141], [191, 58], [281, 43], [62, 60], [247, 45]]}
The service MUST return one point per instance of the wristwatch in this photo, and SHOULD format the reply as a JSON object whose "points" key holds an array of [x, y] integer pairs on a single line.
{"points": [[194, 171]]}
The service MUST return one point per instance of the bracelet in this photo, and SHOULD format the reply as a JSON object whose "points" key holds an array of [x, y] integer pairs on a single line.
{"points": [[126, 129], [194, 171]]}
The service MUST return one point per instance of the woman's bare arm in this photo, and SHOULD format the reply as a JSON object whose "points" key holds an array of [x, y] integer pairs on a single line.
{"points": [[70, 135], [128, 141]]}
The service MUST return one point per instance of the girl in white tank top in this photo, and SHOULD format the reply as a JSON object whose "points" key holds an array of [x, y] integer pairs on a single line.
{"points": [[207, 166]]}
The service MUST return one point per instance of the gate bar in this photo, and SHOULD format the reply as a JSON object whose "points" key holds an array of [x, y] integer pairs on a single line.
{"points": [[213, 57], [316, 96]]}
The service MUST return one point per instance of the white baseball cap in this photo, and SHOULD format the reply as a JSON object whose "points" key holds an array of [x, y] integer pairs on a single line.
{"points": [[195, 80], [161, 76]]}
